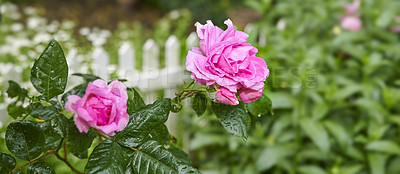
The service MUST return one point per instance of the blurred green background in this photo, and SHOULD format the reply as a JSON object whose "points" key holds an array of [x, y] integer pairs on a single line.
{"points": [[335, 93]]}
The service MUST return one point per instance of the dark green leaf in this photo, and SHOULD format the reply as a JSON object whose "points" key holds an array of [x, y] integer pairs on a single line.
{"points": [[160, 134], [179, 154], [199, 104], [49, 73], [40, 167], [59, 123], [77, 90], [260, 107], [87, 77], [42, 112], [24, 139], [108, 157], [78, 142], [143, 121], [235, 119], [7, 163], [135, 101], [151, 157], [16, 111], [14, 90]]}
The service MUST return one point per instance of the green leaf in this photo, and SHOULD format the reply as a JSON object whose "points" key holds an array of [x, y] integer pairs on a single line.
{"points": [[260, 107], [7, 163], [271, 155], [235, 119], [377, 163], [160, 134], [339, 132], [78, 142], [199, 104], [78, 90], [142, 122], [317, 133], [151, 157], [42, 112], [135, 101], [108, 157], [87, 77], [50, 72], [59, 123], [384, 146], [40, 167], [309, 169], [24, 139], [16, 111], [14, 90]]}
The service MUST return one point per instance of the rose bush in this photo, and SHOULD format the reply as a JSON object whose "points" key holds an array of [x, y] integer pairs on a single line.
{"points": [[226, 61], [103, 107]]}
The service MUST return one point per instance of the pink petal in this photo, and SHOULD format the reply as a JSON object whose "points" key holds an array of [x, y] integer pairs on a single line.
{"points": [[351, 23], [249, 95], [72, 102], [81, 124], [227, 97]]}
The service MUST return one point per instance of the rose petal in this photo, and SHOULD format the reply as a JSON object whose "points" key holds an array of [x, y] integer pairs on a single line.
{"points": [[72, 102], [248, 95], [227, 97], [81, 124]]}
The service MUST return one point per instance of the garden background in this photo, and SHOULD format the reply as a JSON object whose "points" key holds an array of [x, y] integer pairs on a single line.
{"points": [[335, 92]]}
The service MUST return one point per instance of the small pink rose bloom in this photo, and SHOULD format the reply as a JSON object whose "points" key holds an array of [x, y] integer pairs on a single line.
{"points": [[103, 107], [352, 7], [226, 61], [352, 23]]}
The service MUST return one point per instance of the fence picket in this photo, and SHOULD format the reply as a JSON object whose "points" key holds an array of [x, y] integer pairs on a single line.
{"points": [[191, 41], [150, 73], [100, 62], [126, 61]]}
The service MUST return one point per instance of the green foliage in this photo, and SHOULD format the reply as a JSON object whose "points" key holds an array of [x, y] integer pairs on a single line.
{"points": [[40, 167], [24, 139], [7, 163], [49, 73], [107, 157], [235, 119], [199, 104]]}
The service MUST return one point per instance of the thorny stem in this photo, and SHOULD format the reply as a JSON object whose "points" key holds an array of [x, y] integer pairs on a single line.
{"points": [[68, 164], [55, 152], [30, 162]]}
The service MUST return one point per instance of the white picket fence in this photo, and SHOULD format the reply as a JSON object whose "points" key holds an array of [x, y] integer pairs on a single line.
{"points": [[151, 79]]}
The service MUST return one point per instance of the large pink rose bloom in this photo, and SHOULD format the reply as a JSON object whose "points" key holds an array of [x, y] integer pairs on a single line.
{"points": [[225, 61], [103, 107]]}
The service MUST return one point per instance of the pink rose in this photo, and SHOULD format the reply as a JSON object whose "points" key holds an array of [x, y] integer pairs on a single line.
{"points": [[225, 61], [103, 107], [352, 7], [352, 23]]}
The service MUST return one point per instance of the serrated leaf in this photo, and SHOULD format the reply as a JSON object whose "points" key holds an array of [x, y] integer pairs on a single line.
{"points": [[199, 104], [16, 111], [40, 167], [135, 101], [160, 134], [79, 142], [87, 77], [235, 119], [260, 107], [24, 139], [50, 72], [151, 157], [384, 146], [14, 90], [7, 163], [108, 157], [42, 112], [78, 90], [142, 122], [52, 138]]}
